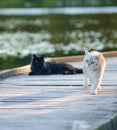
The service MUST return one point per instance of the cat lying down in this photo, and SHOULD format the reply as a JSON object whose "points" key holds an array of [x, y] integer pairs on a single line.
{"points": [[40, 67]]}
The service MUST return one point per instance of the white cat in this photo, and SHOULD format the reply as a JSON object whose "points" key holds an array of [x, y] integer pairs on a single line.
{"points": [[93, 68]]}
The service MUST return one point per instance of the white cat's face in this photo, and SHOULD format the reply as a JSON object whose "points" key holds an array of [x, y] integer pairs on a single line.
{"points": [[91, 61]]}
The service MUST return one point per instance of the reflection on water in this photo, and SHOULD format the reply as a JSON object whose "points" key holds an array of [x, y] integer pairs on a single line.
{"points": [[60, 10], [23, 43], [56, 35], [13, 23]]}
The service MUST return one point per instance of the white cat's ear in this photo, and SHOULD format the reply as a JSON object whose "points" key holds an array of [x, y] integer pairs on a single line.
{"points": [[97, 57], [86, 51]]}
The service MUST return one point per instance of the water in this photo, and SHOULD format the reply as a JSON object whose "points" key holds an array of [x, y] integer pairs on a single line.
{"points": [[57, 34], [55, 3], [60, 10]]}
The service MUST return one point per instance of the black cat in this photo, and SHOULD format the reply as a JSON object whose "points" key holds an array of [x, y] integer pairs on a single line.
{"points": [[39, 67]]}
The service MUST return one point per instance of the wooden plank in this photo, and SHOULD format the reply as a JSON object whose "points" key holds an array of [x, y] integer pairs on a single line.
{"points": [[57, 102]]}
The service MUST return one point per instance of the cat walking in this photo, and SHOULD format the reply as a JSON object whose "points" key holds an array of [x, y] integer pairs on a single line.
{"points": [[40, 67], [93, 68]]}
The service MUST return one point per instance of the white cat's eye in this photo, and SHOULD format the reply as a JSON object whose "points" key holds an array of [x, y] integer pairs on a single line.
{"points": [[92, 62], [87, 61]]}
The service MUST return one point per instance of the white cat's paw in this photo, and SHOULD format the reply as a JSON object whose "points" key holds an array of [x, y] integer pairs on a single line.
{"points": [[99, 88], [94, 92], [85, 86]]}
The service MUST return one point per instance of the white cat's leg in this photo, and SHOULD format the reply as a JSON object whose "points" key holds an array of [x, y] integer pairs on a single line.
{"points": [[94, 90], [99, 82], [95, 86], [86, 82], [99, 88]]}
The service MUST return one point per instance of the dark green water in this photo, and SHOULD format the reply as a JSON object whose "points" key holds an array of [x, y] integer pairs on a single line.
{"points": [[54, 35], [55, 3]]}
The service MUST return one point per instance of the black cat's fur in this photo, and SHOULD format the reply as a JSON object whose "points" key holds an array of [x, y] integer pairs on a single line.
{"points": [[40, 67]]}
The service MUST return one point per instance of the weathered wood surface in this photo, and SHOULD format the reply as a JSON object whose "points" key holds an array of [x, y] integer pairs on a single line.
{"points": [[57, 102]]}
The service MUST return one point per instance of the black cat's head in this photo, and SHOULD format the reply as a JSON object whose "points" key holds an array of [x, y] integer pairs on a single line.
{"points": [[37, 61]]}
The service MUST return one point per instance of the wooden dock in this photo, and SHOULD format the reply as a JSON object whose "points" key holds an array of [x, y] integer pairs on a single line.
{"points": [[57, 102]]}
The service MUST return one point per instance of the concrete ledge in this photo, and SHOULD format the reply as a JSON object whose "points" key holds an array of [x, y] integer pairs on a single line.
{"points": [[111, 125], [26, 69], [15, 71], [80, 58]]}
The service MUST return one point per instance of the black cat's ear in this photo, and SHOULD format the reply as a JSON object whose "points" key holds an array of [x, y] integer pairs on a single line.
{"points": [[42, 57], [34, 56]]}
